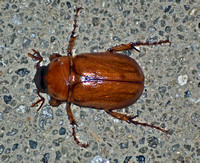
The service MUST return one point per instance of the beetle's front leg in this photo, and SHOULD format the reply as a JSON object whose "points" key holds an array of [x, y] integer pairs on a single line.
{"points": [[129, 119], [42, 99], [73, 123], [38, 57], [132, 45], [53, 56], [72, 37]]}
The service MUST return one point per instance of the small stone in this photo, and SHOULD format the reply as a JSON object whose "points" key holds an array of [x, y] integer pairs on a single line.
{"points": [[1, 117], [127, 159], [198, 152], [7, 151], [196, 118], [126, 12], [21, 109], [95, 11], [182, 79], [188, 147], [167, 29], [163, 23], [175, 147], [186, 7], [31, 5], [68, 4], [5, 158], [62, 131], [152, 29], [54, 132], [162, 91], [87, 154], [58, 155], [98, 159], [32, 144], [140, 159], [1, 149], [24, 60], [143, 25], [153, 142], [7, 109], [95, 21], [7, 99], [12, 132], [19, 157], [115, 38], [15, 146], [16, 20], [198, 66], [194, 11], [47, 112], [22, 72], [187, 94], [57, 142], [26, 42], [59, 113], [124, 145], [143, 150], [52, 39], [46, 157], [142, 141], [167, 8]]}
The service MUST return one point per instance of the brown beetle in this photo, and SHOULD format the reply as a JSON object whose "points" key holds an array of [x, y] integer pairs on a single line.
{"points": [[105, 80]]}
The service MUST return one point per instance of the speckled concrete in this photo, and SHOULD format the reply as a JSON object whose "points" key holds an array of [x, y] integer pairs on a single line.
{"points": [[170, 100]]}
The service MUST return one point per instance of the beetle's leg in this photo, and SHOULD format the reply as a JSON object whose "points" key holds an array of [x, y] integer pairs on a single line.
{"points": [[38, 57], [73, 123], [72, 37], [54, 102], [129, 119], [38, 101], [53, 56], [132, 45]]}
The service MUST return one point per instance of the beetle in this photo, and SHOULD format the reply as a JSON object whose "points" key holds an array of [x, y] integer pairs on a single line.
{"points": [[104, 80]]}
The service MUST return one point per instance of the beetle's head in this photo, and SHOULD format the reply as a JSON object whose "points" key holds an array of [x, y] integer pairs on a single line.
{"points": [[39, 79]]}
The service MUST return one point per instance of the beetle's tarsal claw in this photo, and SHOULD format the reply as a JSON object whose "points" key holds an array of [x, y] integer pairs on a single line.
{"points": [[133, 47], [131, 118], [74, 124], [76, 139]]}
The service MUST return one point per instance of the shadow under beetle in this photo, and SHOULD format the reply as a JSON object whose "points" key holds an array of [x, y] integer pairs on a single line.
{"points": [[105, 80]]}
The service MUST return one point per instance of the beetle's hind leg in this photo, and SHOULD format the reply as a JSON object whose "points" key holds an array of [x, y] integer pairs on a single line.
{"points": [[129, 119], [132, 45], [73, 123], [72, 37]]}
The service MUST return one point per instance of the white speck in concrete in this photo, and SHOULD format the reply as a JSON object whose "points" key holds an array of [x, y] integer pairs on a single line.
{"points": [[182, 79], [98, 159]]}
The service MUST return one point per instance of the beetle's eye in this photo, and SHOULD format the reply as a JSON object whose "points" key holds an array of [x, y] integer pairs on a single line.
{"points": [[39, 79]]}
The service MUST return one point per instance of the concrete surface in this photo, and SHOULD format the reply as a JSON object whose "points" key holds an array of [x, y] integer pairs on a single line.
{"points": [[170, 100]]}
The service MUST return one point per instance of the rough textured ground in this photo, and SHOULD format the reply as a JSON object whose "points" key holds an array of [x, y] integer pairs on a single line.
{"points": [[170, 100]]}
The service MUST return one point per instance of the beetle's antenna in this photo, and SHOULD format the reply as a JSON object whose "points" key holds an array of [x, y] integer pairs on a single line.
{"points": [[38, 57], [72, 37]]}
